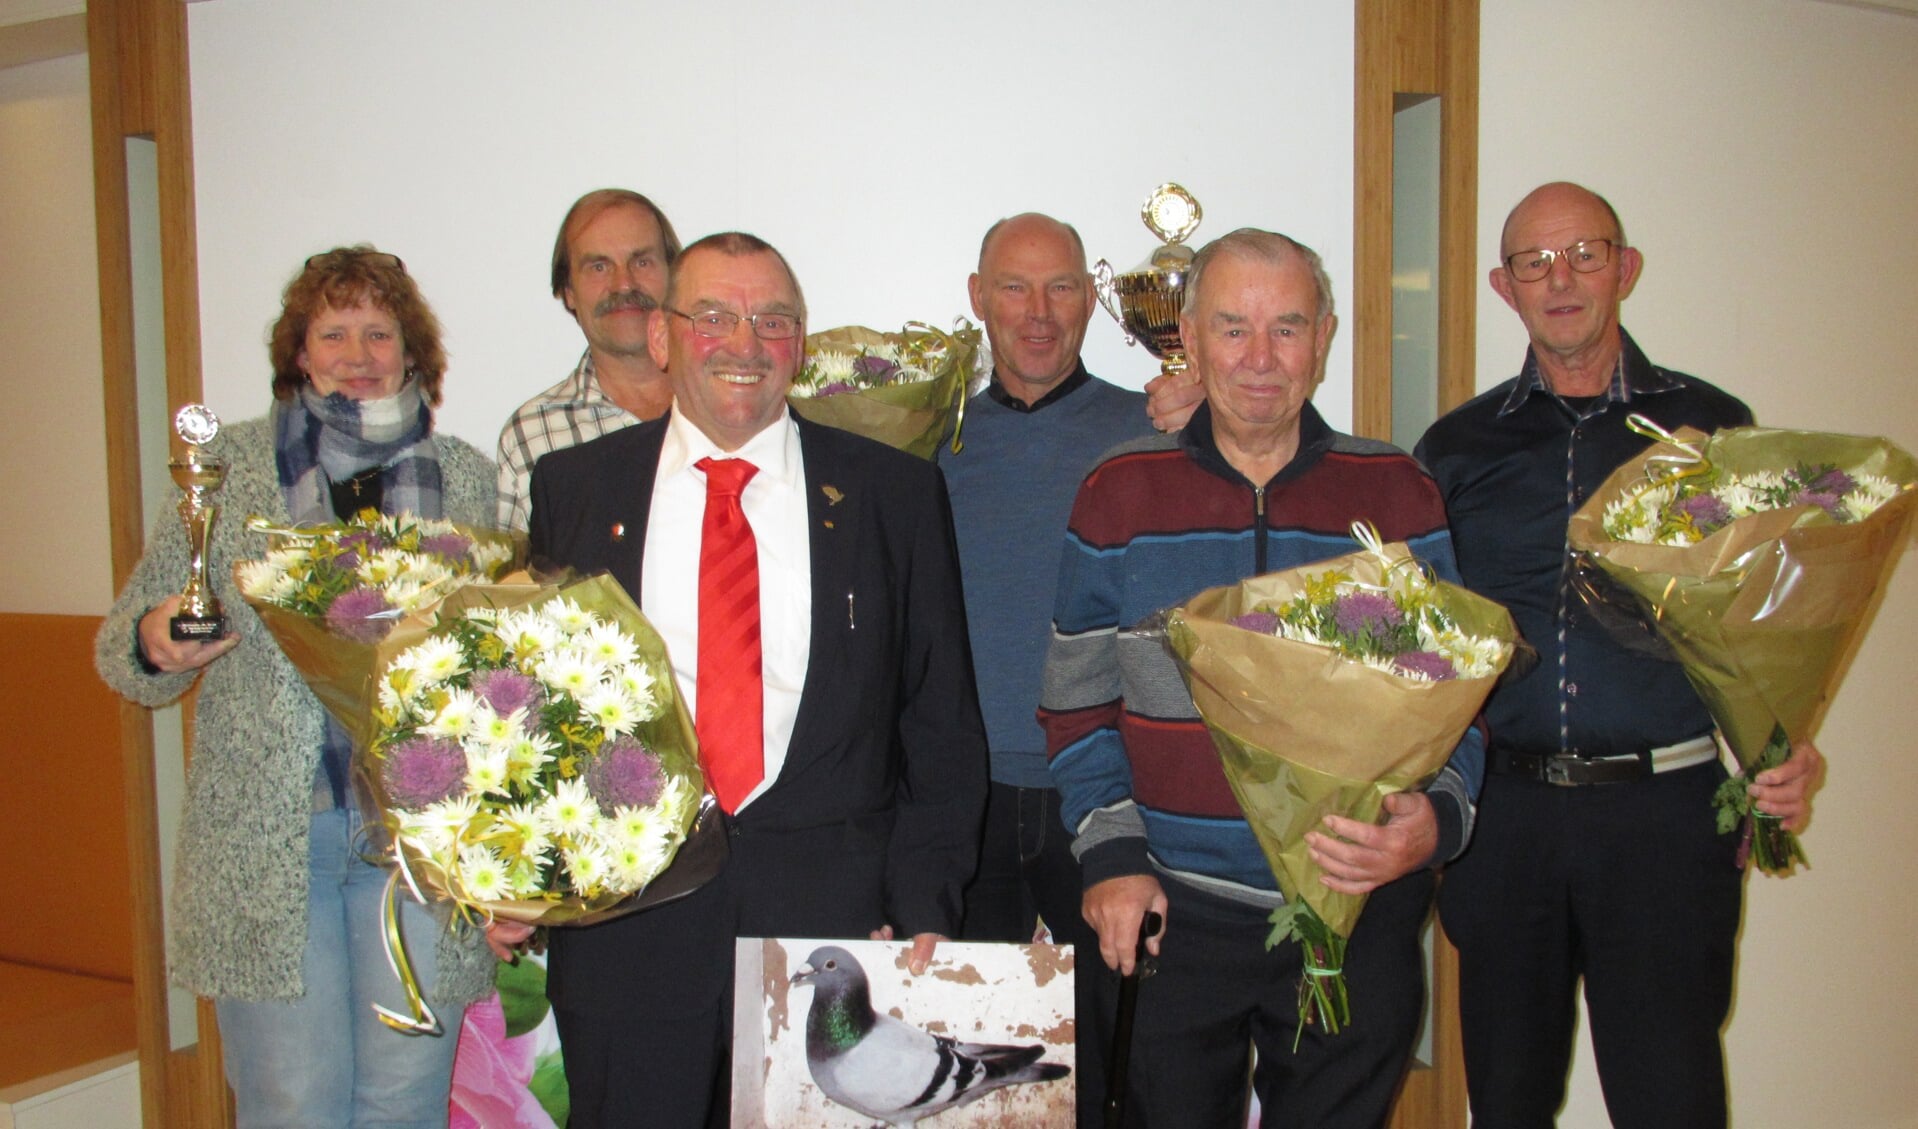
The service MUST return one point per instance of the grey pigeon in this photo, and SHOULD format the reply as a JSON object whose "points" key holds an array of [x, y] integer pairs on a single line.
{"points": [[892, 1070]]}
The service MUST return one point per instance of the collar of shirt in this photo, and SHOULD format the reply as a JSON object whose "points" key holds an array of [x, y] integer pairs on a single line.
{"points": [[1315, 439], [1632, 375], [1060, 391], [775, 451]]}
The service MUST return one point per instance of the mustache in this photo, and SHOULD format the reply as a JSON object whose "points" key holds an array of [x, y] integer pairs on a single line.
{"points": [[626, 300]]}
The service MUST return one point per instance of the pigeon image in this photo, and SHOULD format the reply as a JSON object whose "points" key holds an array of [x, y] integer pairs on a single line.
{"points": [[891, 1070]]}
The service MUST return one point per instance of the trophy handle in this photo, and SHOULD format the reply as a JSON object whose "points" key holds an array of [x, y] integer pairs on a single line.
{"points": [[1102, 286]]}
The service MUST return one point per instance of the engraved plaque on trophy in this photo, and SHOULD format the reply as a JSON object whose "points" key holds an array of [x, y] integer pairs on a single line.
{"points": [[1145, 300], [199, 476]]}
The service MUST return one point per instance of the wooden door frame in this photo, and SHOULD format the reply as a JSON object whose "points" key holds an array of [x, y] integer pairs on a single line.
{"points": [[1421, 47]]}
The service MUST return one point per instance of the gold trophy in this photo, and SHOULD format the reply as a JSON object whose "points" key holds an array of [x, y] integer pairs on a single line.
{"points": [[1145, 300], [199, 476]]}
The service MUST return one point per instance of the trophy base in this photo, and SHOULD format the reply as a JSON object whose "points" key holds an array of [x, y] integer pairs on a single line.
{"points": [[189, 627]]}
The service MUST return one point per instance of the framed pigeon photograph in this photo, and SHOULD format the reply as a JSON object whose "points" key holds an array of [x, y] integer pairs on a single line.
{"points": [[841, 1034]]}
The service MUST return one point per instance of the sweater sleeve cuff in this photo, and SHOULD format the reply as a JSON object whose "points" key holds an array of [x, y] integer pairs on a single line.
{"points": [[1451, 828], [1119, 857]]}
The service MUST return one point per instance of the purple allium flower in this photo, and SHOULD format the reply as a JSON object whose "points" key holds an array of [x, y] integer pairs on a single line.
{"points": [[878, 370], [507, 690], [1821, 498], [1833, 481], [423, 771], [1431, 664], [625, 774], [1265, 623], [836, 387], [453, 545], [352, 611], [1707, 511], [1366, 613], [363, 542]]}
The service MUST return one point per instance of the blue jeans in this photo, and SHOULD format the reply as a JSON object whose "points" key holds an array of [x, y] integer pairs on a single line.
{"points": [[325, 1059]]}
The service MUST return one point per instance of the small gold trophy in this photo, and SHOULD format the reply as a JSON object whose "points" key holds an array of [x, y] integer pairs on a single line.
{"points": [[199, 475], [1148, 296]]}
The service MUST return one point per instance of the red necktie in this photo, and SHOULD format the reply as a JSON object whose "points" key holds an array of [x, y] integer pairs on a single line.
{"points": [[731, 706]]}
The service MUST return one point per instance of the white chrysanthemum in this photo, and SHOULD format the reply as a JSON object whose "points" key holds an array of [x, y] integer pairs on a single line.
{"points": [[409, 595], [490, 729], [400, 691], [635, 680], [528, 753], [568, 616], [382, 567], [257, 578], [570, 810], [435, 527], [482, 874], [527, 634], [488, 555], [609, 644], [437, 827], [1300, 632], [1868, 492], [610, 709], [526, 878], [587, 867], [454, 719], [1741, 499], [423, 832], [1471, 656], [638, 859], [486, 769], [1384, 664], [831, 366], [485, 615], [568, 670], [1762, 480], [675, 804], [435, 660], [1634, 517], [519, 825]]}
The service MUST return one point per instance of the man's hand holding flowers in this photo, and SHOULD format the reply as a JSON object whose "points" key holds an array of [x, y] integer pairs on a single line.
{"points": [[1785, 791], [1360, 857]]}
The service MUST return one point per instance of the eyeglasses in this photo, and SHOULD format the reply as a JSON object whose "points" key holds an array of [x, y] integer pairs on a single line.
{"points": [[1583, 257], [721, 323], [345, 253]]}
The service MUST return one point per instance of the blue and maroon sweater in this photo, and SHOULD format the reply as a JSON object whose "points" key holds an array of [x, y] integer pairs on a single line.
{"points": [[1158, 521]]}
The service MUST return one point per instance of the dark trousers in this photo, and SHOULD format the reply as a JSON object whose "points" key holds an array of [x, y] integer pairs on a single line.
{"points": [[1219, 992], [1027, 872], [644, 1003], [1628, 886]]}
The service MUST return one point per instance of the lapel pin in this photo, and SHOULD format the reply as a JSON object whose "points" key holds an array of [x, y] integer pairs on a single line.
{"points": [[833, 496], [619, 531]]}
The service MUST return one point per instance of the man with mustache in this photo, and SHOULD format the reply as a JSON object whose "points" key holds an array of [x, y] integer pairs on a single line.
{"points": [[805, 583], [1030, 436], [610, 264]]}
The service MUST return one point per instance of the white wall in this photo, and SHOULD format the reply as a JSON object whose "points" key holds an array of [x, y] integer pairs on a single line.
{"points": [[873, 142], [1763, 155], [53, 510]]}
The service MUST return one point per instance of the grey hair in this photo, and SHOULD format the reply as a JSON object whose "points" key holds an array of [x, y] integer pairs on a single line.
{"points": [[737, 245], [1262, 246]]}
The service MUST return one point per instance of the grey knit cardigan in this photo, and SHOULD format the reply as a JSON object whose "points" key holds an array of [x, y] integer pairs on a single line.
{"points": [[237, 921]]}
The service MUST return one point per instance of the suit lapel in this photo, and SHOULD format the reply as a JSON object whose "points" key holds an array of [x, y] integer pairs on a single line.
{"points": [[833, 511]]}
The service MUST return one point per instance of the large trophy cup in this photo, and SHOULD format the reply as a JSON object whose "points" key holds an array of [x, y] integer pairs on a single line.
{"points": [[199, 476], [1145, 300]]}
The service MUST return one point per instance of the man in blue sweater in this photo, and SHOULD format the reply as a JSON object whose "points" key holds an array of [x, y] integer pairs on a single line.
{"points": [[1030, 437]]}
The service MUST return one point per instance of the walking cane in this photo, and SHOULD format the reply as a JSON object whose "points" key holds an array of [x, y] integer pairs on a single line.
{"points": [[1121, 1060]]}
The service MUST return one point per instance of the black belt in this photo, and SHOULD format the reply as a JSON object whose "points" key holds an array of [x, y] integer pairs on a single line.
{"points": [[1570, 770]]}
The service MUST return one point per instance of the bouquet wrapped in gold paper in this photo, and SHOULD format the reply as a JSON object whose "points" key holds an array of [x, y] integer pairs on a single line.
{"points": [[1327, 688], [1756, 554], [905, 389]]}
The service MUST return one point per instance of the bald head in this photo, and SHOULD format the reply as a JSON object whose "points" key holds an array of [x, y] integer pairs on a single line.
{"points": [[1035, 298], [1557, 198]]}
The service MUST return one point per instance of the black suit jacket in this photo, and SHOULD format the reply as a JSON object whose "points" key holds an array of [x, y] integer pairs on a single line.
{"points": [[885, 777]]}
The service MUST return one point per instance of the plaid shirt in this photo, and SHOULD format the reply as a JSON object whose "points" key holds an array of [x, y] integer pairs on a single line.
{"points": [[572, 412]]}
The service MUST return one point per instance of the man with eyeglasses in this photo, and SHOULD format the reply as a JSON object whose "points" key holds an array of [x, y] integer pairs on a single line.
{"points": [[806, 585], [1596, 855], [610, 262]]}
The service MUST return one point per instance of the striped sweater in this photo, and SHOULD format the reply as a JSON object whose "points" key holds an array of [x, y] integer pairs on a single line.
{"points": [[1156, 522]]}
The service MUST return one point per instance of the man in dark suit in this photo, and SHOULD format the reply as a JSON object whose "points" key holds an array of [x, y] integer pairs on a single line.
{"points": [[856, 811]]}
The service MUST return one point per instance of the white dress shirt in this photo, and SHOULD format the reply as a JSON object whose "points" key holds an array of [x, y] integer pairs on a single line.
{"points": [[775, 505]]}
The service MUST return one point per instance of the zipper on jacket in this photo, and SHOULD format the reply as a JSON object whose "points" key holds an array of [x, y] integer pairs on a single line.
{"points": [[1258, 530]]}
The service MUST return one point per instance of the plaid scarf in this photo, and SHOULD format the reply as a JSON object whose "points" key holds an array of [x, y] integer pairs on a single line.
{"points": [[319, 440]]}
